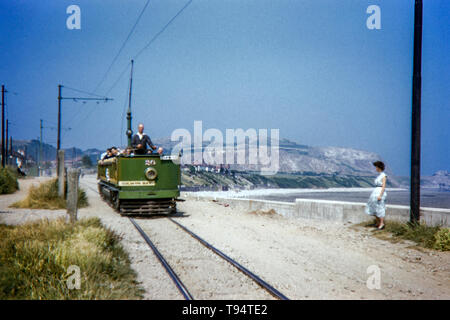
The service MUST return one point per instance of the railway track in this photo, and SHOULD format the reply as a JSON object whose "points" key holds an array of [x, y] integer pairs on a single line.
{"points": [[176, 279]]}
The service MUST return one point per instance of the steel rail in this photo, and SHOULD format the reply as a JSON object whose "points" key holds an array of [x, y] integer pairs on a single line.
{"points": [[274, 292], [181, 287], [178, 283]]}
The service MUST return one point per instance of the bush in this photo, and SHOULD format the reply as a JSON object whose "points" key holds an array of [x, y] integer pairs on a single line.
{"points": [[45, 196], [437, 238], [442, 240], [35, 257], [8, 181]]}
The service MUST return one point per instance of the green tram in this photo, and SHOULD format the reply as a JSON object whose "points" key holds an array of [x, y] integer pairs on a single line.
{"points": [[140, 184]]}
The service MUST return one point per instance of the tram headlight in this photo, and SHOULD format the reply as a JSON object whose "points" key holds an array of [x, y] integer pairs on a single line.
{"points": [[151, 173]]}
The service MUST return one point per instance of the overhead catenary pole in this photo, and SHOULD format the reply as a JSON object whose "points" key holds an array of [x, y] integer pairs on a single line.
{"points": [[416, 114], [3, 126], [129, 130], [60, 97], [6, 143], [40, 147], [10, 146], [58, 141]]}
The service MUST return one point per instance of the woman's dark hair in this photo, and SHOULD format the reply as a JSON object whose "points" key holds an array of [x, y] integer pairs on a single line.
{"points": [[379, 164]]}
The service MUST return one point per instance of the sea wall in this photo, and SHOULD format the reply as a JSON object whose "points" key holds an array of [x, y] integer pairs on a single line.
{"points": [[338, 211]]}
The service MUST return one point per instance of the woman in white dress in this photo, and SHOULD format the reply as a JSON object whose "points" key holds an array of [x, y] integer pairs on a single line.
{"points": [[376, 204]]}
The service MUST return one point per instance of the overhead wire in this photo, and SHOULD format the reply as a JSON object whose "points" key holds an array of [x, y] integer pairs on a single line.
{"points": [[84, 92], [153, 39], [122, 73], [162, 30], [122, 46]]}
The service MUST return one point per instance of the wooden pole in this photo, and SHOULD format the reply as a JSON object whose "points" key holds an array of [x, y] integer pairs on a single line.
{"points": [[6, 143], [416, 114], [3, 127], [72, 193], [58, 139], [61, 175]]}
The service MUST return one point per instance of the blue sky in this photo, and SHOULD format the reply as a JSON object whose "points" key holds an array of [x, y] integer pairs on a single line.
{"points": [[310, 68]]}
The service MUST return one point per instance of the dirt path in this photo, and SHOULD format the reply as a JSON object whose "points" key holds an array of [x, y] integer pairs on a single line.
{"points": [[309, 259], [302, 258], [18, 216]]}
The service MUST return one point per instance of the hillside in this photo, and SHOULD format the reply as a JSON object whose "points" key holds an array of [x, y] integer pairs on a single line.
{"points": [[298, 158], [31, 148], [243, 180]]}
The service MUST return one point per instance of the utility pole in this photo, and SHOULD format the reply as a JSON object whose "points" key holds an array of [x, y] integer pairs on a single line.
{"points": [[60, 98], [416, 114], [3, 126], [58, 141], [40, 148], [6, 143], [129, 132], [10, 146]]}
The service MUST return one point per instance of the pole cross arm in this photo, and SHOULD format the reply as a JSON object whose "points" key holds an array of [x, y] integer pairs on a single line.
{"points": [[82, 99]]}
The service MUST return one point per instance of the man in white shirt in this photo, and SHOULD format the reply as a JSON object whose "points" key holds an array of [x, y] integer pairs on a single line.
{"points": [[141, 140]]}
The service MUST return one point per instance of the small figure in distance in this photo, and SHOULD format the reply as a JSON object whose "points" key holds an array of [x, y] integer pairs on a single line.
{"points": [[141, 140], [160, 150]]}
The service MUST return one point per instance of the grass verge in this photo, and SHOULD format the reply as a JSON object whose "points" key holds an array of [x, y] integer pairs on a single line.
{"points": [[437, 238], [35, 257], [8, 181], [45, 196]]}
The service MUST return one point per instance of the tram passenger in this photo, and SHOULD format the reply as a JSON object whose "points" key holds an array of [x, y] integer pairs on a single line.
{"points": [[106, 155], [141, 140], [128, 152], [114, 152]]}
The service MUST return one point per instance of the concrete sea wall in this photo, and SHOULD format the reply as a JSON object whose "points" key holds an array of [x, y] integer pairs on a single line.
{"points": [[338, 211]]}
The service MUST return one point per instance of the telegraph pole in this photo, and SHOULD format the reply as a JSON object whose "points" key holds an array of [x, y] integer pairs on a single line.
{"points": [[3, 126], [6, 142], [60, 98], [58, 140], [40, 148], [416, 114], [10, 146]]}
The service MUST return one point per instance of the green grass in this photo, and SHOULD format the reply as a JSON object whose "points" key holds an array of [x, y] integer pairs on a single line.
{"points": [[437, 238], [45, 196], [34, 260], [8, 181]]}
